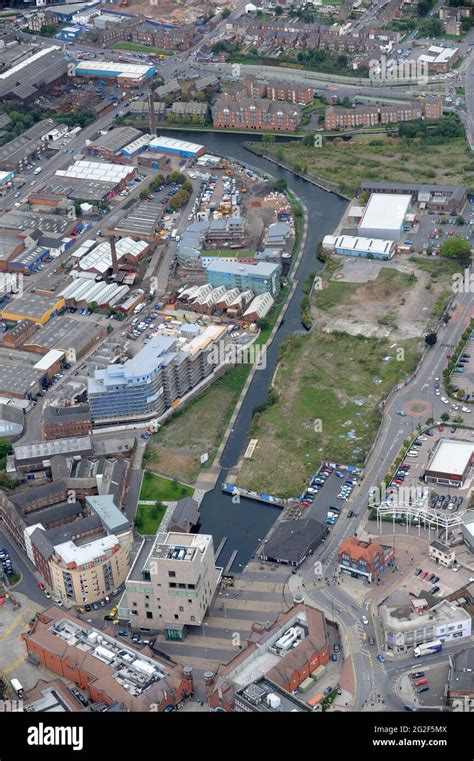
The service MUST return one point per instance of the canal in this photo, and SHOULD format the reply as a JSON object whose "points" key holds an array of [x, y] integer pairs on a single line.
{"points": [[245, 523]]}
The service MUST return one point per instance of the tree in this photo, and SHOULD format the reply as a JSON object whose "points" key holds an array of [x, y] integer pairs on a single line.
{"points": [[278, 10], [226, 13], [445, 417], [144, 194], [457, 248], [281, 186]]}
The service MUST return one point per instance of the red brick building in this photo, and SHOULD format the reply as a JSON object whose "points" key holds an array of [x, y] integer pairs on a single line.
{"points": [[61, 422], [370, 116], [364, 559], [256, 114], [291, 669], [101, 681]]}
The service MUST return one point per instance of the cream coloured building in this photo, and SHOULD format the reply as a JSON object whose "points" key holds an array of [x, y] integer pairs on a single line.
{"points": [[171, 584]]}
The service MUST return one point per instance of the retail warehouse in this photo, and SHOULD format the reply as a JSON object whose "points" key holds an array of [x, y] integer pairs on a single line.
{"points": [[348, 245], [450, 463]]}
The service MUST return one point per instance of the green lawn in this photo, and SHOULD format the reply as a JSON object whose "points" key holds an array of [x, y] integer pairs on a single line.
{"points": [[149, 518], [162, 489], [140, 48]]}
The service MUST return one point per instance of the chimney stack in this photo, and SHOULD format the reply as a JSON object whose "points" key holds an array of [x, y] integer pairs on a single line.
{"points": [[113, 252], [151, 111]]}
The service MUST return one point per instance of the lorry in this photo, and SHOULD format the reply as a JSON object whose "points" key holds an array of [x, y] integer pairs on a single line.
{"points": [[428, 648], [16, 686]]}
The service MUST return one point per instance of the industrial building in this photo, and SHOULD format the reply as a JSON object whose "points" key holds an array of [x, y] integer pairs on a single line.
{"points": [[163, 371], [34, 76], [29, 146], [99, 260], [126, 74], [450, 462], [61, 422], [115, 175], [262, 277], [142, 222], [38, 309], [174, 147], [110, 145], [438, 198], [351, 245], [83, 291], [408, 622], [74, 337], [171, 584], [33, 457], [384, 216]]}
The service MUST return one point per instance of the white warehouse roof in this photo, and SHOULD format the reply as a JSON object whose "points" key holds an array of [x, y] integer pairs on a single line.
{"points": [[100, 171], [172, 144], [131, 70], [100, 258], [27, 62], [385, 211], [452, 457], [358, 243], [48, 359]]}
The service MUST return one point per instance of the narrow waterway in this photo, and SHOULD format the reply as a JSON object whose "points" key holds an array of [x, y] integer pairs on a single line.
{"points": [[245, 523]]}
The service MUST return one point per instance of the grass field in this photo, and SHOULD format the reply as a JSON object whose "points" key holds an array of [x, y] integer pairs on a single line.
{"points": [[380, 158], [328, 387], [149, 518], [161, 489], [140, 48]]}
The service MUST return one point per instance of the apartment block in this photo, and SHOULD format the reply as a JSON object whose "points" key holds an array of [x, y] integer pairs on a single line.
{"points": [[371, 116], [171, 584], [163, 371], [108, 670], [262, 277], [258, 114]]}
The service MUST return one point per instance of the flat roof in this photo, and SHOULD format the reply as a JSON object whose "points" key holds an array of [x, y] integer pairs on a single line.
{"points": [[47, 449], [64, 333], [31, 305], [358, 243], [451, 457], [385, 211], [172, 143]]}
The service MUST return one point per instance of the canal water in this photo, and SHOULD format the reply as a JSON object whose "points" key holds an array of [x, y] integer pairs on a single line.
{"points": [[244, 524]]}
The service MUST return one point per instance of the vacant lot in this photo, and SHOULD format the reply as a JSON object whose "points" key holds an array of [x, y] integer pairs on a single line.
{"points": [[327, 388], [401, 301], [176, 449], [162, 489], [364, 158]]}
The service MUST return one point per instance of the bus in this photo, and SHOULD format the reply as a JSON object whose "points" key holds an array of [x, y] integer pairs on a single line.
{"points": [[428, 648], [17, 687]]}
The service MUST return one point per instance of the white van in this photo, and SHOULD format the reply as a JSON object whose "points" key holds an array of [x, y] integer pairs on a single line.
{"points": [[17, 687], [37, 170]]}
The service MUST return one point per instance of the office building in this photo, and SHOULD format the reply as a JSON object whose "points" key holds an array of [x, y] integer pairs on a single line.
{"points": [[262, 277], [171, 584]]}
